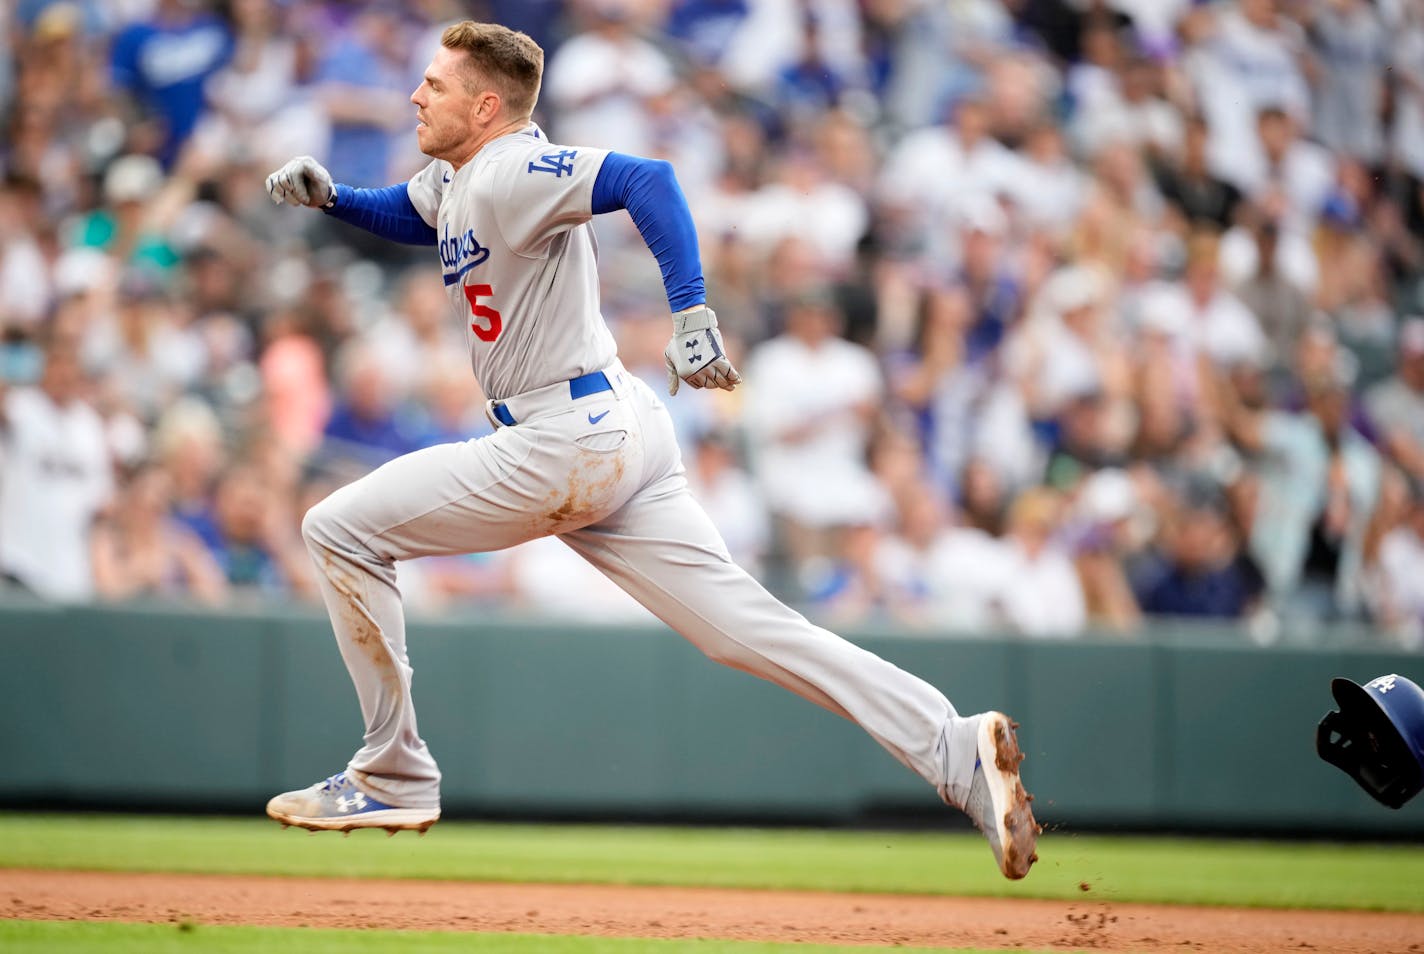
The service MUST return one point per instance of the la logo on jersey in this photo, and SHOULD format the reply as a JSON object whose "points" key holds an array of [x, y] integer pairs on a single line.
{"points": [[556, 163], [459, 254]]}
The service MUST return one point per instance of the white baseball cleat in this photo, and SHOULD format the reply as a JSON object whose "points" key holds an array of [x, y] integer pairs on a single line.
{"points": [[338, 805], [997, 802]]}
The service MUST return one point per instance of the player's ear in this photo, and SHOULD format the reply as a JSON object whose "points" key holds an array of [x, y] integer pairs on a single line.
{"points": [[487, 106]]}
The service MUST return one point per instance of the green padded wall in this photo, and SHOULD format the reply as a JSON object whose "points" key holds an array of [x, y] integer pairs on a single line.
{"points": [[177, 709]]}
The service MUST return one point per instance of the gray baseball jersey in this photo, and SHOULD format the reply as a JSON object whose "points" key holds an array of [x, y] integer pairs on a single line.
{"points": [[597, 464], [519, 260]]}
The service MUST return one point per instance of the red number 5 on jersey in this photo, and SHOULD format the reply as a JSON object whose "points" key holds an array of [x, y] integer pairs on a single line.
{"points": [[493, 323]]}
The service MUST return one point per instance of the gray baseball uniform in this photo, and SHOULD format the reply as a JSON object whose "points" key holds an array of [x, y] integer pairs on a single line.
{"points": [[587, 452]]}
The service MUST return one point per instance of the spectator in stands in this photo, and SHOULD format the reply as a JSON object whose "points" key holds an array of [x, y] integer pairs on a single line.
{"points": [[705, 27], [1281, 304], [1068, 346], [1407, 92], [1396, 572], [1050, 191], [1130, 110], [850, 586], [258, 552], [28, 251], [729, 495], [132, 225], [983, 269], [1200, 568], [1361, 307], [1396, 406], [1248, 60], [771, 36], [1286, 168], [1042, 595], [1319, 484], [903, 558], [366, 424], [188, 444], [1189, 185], [599, 81], [809, 84], [932, 172], [55, 478], [1350, 47], [546, 577], [417, 330], [449, 403], [260, 102], [967, 574], [363, 85], [984, 497], [800, 427], [162, 64], [1086, 438], [1105, 531], [139, 550], [1203, 317], [145, 354], [801, 203]]}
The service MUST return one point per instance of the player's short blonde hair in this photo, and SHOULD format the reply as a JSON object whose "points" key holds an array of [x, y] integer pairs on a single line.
{"points": [[509, 61]]}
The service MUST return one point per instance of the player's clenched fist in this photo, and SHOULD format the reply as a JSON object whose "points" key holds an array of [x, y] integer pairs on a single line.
{"points": [[696, 355], [302, 181]]}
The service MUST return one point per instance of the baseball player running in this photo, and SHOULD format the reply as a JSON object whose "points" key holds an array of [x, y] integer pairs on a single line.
{"points": [[582, 449]]}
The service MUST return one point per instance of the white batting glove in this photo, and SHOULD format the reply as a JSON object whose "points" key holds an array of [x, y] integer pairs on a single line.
{"points": [[302, 181], [696, 355]]}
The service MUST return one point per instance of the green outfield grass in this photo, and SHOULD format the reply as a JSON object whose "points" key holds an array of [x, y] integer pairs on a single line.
{"points": [[80, 937], [1181, 871]]}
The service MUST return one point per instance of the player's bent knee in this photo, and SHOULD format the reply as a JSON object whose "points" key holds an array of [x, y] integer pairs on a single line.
{"points": [[319, 526]]}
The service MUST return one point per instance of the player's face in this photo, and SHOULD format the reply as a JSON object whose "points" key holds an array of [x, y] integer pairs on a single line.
{"points": [[449, 118]]}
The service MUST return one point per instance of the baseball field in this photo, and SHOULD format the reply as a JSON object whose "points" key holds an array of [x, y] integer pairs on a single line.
{"points": [[171, 884]]}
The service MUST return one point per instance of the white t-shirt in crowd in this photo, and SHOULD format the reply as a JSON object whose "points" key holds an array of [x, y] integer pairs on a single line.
{"points": [[54, 477], [822, 480], [1044, 596], [968, 574], [598, 87]]}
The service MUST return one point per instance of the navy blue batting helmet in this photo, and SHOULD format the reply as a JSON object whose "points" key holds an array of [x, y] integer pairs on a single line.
{"points": [[1377, 736]]}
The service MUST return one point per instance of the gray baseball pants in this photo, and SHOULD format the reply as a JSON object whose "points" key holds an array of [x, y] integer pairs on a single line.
{"points": [[612, 486]]}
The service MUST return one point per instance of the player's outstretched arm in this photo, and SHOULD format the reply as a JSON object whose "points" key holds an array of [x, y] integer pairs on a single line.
{"points": [[648, 189], [386, 212]]}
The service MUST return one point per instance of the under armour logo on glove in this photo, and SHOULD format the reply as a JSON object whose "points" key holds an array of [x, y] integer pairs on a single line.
{"points": [[695, 354]]}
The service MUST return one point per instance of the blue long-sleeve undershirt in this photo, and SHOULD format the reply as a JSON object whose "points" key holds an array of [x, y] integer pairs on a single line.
{"points": [[387, 212], [648, 189]]}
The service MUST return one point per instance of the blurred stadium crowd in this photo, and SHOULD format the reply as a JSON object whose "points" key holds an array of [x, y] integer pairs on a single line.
{"points": [[1055, 314]]}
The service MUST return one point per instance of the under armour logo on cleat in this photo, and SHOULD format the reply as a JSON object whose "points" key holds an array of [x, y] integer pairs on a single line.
{"points": [[595, 418], [356, 802]]}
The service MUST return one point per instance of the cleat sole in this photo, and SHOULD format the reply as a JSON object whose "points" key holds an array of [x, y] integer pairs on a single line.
{"points": [[1018, 830], [392, 820]]}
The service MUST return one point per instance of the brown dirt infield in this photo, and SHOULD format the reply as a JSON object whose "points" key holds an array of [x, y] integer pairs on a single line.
{"points": [[615, 911]]}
